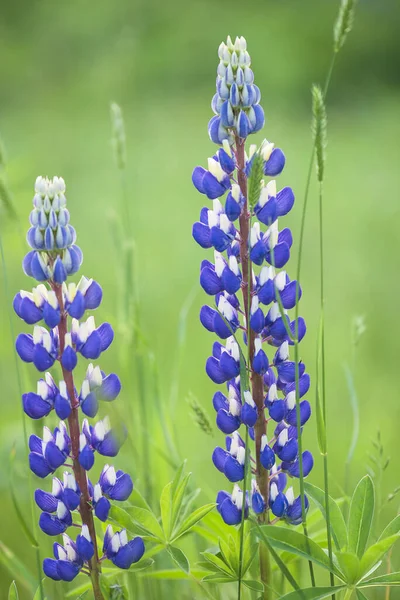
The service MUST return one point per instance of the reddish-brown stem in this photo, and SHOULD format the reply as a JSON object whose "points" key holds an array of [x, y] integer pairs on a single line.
{"points": [[257, 384], [74, 432]]}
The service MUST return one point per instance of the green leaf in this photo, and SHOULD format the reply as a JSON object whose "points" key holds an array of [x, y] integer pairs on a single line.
{"points": [[138, 521], [17, 568], [321, 428], [38, 594], [218, 562], [166, 509], [254, 180], [13, 592], [350, 565], [338, 525], [314, 593], [136, 499], [179, 558], [391, 529], [297, 543], [281, 564], [177, 479], [256, 586], [361, 514], [249, 553], [173, 574], [229, 557], [376, 552], [393, 579], [79, 591], [177, 499], [194, 518], [218, 579], [360, 595], [146, 520]]}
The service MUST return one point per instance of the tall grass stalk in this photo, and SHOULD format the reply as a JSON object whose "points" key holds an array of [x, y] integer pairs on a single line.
{"points": [[23, 419], [131, 315], [320, 142], [341, 29]]}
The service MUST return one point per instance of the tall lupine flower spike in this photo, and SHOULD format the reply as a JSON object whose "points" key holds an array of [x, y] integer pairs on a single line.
{"points": [[61, 332], [243, 230]]}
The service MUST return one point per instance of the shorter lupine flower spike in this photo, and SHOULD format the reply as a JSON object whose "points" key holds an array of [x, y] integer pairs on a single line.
{"points": [[121, 551]]}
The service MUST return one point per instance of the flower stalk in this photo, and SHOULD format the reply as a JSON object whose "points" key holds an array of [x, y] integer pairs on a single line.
{"points": [[259, 386], [62, 337]]}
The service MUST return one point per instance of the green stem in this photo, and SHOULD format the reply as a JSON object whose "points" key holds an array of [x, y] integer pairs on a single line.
{"points": [[285, 571], [296, 341], [23, 418], [322, 301], [242, 524]]}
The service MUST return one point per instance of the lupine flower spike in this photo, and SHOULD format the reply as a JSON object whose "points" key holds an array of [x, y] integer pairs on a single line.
{"points": [[56, 308], [244, 233]]}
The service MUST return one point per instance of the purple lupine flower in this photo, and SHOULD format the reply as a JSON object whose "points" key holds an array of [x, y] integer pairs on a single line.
{"points": [[121, 551], [56, 308], [245, 233]]}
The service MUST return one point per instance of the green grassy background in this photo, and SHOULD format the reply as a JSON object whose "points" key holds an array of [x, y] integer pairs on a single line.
{"points": [[62, 64]]}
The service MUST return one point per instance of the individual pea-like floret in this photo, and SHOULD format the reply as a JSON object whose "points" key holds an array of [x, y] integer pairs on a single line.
{"points": [[230, 506], [121, 551]]}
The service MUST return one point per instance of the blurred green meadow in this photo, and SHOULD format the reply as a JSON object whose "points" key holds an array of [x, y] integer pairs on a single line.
{"points": [[62, 64]]}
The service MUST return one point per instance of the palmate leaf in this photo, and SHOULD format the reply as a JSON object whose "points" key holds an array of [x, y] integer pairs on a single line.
{"points": [[376, 552], [216, 561], [314, 593], [297, 543], [360, 595], [138, 521], [192, 520], [338, 525], [361, 514]]}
